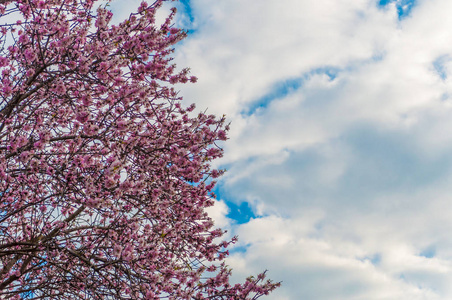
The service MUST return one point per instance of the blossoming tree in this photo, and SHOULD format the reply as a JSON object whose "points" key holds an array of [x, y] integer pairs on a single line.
{"points": [[104, 175]]}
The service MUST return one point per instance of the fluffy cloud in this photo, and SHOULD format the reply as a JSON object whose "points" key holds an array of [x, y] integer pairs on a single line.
{"points": [[241, 49], [340, 140], [319, 267]]}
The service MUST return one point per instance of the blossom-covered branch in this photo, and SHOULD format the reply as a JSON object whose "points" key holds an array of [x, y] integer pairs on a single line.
{"points": [[104, 175]]}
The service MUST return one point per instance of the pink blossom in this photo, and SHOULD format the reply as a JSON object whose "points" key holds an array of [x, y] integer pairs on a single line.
{"points": [[3, 61], [82, 116], [121, 125], [105, 174]]}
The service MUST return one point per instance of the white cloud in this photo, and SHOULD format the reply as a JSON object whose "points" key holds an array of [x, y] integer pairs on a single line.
{"points": [[241, 48], [218, 212], [351, 172], [329, 269]]}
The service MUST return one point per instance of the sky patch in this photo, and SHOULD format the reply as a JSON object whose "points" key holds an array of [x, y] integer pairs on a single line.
{"points": [[439, 66], [429, 252], [404, 7], [241, 213], [286, 87], [188, 10]]}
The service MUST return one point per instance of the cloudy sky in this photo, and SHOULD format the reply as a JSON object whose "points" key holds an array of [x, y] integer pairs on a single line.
{"points": [[339, 161]]}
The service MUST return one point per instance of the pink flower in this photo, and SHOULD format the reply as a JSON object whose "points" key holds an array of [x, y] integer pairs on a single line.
{"points": [[222, 135], [82, 116], [121, 125], [3, 61]]}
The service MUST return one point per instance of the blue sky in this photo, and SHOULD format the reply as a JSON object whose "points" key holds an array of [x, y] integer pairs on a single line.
{"points": [[404, 7], [339, 160]]}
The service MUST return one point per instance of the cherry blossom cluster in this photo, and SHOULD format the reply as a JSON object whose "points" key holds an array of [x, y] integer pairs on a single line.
{"points": [[104, 175]]}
